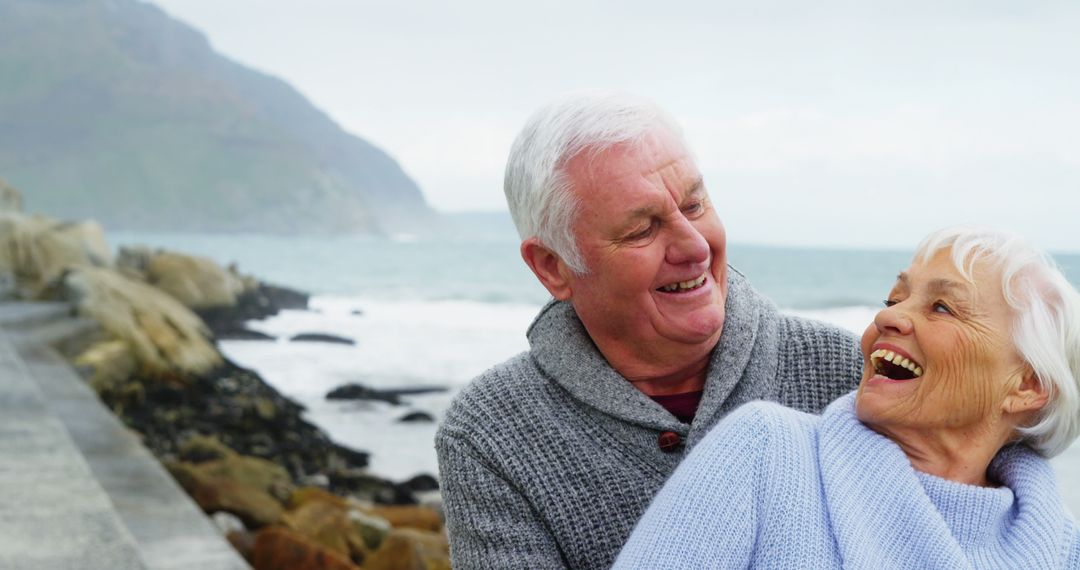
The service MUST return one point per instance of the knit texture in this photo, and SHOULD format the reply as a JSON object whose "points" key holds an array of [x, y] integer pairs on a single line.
{"points": [[774, 488], [549, 459]]}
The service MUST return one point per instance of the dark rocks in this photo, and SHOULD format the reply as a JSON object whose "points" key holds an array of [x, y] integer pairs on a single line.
{"points": [[256, 302], [251, 418], [322, 337], [421, 483], [242, 333], [417, 417], [353, 391]]}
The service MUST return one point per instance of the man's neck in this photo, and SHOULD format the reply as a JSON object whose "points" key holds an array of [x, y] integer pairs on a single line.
{"points": [[685, 372]]}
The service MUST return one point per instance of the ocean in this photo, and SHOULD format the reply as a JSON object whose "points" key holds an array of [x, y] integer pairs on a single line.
{"points": [[437, 312]]}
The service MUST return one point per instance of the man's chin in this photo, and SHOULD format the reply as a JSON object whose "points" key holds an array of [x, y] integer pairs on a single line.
{"points": [[700, 326]]}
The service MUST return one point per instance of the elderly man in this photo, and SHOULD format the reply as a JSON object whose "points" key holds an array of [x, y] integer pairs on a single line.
{"points": [[549, 459]]}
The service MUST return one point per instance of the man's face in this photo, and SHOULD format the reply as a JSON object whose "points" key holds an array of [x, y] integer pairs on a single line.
{"points": [[652, 244]]}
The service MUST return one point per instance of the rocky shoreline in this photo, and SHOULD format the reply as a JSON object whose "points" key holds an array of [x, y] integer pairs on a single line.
{"points": [[282, 491]]}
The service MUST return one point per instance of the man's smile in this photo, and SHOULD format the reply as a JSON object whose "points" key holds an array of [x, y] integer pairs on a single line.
{"points": [[683, 286]]}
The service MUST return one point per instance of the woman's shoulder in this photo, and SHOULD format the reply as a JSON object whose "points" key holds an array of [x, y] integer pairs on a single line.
{"points": [[1072, 558], [764, 426]]}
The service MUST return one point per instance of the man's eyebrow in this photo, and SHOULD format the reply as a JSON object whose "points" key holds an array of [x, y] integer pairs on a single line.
{"points": [[695, 189]]}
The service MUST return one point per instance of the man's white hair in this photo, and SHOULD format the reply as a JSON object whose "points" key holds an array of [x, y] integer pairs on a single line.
{"points": [[1045, 324], [537, 188]]}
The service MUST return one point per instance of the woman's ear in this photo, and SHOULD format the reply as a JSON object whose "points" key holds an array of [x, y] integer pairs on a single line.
{"points": [[1028, 396], [548, 267]]}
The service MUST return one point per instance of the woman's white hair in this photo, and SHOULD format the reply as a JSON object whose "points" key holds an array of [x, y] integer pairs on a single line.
{"points": [[537, 188], [1045, 324]]}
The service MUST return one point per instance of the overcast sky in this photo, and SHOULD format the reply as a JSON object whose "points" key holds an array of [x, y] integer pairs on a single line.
{"points": [[854, 123]]}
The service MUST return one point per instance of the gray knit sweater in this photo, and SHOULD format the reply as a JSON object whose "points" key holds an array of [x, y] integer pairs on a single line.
{"points": [[549, 459]]}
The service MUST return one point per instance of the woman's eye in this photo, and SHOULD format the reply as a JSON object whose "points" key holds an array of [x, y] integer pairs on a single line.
{"points": [[940, 307], [889, 302]]}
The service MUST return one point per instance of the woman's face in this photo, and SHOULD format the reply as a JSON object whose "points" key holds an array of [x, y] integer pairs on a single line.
{"points": [[952, 358]]}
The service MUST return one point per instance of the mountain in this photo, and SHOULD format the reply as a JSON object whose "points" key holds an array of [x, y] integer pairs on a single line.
{"points": [[110, 109]]}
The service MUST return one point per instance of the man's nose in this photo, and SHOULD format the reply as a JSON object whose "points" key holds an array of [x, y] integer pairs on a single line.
{"points": [[687, 244], [894, 319]]}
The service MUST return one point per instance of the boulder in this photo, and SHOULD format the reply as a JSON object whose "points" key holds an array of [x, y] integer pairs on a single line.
{"points": [[167, 339], [304, 495], [328, 522], [411, 549], [318, 513], [197, 282], [255, 508], [354, 391], [372, 528], [106, 365], [35, 250], [407, 516], [417, 417], [278, 548], [253, 472], [201, 448], [322, 337], [422, 482], [10, 198]]}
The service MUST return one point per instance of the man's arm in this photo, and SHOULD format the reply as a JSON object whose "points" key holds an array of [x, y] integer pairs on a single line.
{"points": [[491, 525], [819, 363]]}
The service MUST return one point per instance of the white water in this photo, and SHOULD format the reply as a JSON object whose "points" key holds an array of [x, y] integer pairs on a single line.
{"points": [[398, 344]]}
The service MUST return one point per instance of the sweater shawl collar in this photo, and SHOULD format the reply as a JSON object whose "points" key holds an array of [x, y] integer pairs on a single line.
{"points": [[564, 352], [884, 514]]}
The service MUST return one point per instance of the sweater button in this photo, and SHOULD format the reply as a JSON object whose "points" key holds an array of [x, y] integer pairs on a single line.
{"points": [[668, 441]]}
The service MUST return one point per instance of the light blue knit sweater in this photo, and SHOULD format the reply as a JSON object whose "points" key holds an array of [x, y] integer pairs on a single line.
{"points": [[771, 487]]}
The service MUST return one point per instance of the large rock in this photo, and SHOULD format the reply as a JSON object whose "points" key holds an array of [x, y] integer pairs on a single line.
{"points": [[197, 282], [168, 340], [335, 522], [36, 250], [254, 507], [10, 198], [253, 472], [277, 548], [408, 516], [107, 365], [327, 523], [411, 549]]}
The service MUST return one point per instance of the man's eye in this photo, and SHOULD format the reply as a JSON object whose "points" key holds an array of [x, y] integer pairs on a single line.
{"points": [[693, 208], [889, 302], [640, 234]]}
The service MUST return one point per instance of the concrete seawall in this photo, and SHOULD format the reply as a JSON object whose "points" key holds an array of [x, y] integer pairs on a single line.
{"points": [[80, 491]]}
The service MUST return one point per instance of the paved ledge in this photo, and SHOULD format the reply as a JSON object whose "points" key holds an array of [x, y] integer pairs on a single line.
{"points": [[53, 513], [80, 490], [169, 529]]}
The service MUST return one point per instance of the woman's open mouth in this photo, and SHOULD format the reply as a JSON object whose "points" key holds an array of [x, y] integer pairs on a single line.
{"points": [[894, 366]]}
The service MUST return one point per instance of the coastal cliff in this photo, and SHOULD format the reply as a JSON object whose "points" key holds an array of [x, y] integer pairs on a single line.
{"points": [[135, 121]]}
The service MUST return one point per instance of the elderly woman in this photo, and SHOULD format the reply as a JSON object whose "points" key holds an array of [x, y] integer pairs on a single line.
{"points": [[937, 461]]}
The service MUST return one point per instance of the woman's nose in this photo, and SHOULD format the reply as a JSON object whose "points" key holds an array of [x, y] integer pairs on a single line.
{"points": [[893, 319], [687, 245]]}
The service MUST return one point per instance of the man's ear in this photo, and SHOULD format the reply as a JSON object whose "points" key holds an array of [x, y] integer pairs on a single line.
{"points": [[1029, 396], [548, 268]]}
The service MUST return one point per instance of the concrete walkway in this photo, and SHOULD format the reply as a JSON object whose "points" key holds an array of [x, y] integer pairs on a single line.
{"points": [[81, 491]]}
